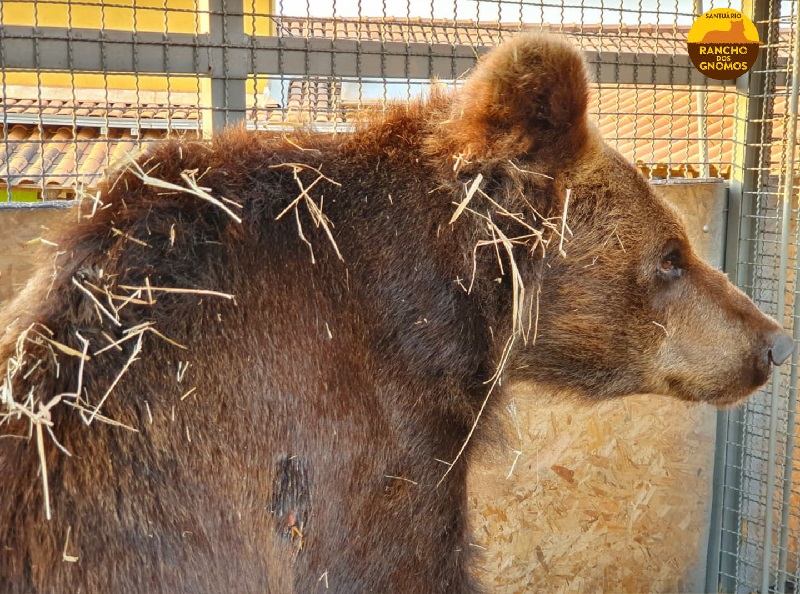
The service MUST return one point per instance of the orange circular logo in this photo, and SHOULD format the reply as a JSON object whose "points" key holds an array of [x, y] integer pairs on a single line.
{"points": [[723, 44]]}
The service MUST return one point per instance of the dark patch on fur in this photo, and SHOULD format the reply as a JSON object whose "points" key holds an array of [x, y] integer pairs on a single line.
{"points": [[291, 499]]}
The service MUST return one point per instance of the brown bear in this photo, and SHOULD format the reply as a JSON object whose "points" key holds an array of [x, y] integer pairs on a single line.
{"points": [[261, 363]]}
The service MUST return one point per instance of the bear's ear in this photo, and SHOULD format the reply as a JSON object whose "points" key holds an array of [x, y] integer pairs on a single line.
{"points": [[528, 95]]}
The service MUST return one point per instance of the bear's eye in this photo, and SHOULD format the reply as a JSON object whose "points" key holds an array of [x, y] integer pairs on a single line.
{"points": [[671, 265]]}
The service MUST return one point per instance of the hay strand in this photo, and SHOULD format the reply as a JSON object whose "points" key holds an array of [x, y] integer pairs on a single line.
{"points": [[131, 359], [314, 209], [564, 224], [470, 193], [66, 557], [180, 290], [43, 470], [190, 188], [494, 381], [96, 301]]}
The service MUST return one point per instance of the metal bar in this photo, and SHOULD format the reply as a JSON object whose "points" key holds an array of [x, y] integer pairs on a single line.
{"points": [[200, 57], [300, 56], [235, 86], [725, 519], [702, 123], [788, 189], [230, 66], [774, 411], [3, 113], [722, 433], [782, 575], [751, 90], [715, 521], [60, 204]]}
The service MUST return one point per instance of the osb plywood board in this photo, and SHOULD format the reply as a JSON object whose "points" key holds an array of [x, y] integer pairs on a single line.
{"points": [[610, 498], [21, 233]]}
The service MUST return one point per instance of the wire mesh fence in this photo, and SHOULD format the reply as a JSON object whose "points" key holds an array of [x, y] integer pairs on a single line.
{"points": [[83, 83], [760, 498]]}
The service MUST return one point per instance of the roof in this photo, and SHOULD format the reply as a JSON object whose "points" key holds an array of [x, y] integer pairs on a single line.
{"points": [[308, 99], [22, 108], [660, 129], [62, 137], [648, 38], [663, 128], [651, 38], [59, 157]]}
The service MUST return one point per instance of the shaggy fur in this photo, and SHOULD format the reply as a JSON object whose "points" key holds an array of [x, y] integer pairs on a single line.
{"points": [[332, 393]]}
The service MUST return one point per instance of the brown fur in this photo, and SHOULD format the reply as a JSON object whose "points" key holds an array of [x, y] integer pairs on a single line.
{"points": [[329, 393]]}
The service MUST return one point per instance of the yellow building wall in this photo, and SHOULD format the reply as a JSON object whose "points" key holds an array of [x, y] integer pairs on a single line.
{"points": [[180, 16], [159, 16]]}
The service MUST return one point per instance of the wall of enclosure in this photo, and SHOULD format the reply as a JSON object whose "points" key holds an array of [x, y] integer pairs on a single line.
{"points": [[631, 496]]}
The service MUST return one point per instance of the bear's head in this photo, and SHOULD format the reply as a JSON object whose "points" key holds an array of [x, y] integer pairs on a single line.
{"points": [[611, 298]]}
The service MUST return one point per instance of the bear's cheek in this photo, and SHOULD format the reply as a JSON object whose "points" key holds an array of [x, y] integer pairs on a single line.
{"points": [[705, 370], [709, 351]]}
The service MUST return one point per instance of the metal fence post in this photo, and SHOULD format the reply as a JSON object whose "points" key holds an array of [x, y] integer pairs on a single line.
{"points": [[752, 92], [223, 99]]}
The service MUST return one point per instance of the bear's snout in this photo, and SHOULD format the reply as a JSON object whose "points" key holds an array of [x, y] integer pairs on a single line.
{"points": [[721, 347], [781, 347]]}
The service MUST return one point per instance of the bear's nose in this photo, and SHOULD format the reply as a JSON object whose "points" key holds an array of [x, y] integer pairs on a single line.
{"points": [[782, 347]]}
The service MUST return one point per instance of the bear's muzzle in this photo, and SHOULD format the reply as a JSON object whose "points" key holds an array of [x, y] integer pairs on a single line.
{"points": [[781, 349]]}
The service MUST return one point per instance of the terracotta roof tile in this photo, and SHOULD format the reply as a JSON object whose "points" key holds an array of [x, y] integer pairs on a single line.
{"points": [[665, 130], [667, 39], [665, 126], [652, 38], [654, 127], [62, 158], [112, 109], [19, 154]]}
